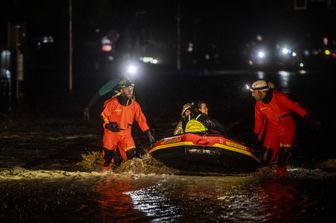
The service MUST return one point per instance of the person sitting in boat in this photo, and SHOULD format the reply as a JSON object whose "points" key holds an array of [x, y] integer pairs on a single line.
{"points": [[185, 117], [200, 121]]}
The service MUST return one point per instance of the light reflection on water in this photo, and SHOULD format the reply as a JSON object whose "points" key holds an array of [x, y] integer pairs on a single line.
{"points": [[244, 198], [305, 195], [284, 77], [113, 203], [157, 205]]}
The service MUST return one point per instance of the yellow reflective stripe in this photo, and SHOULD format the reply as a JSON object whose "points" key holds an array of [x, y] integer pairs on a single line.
{"points": [[117, 94], [217, 145], [248, 153], [172, 145], [128, 148], [105, 119]]}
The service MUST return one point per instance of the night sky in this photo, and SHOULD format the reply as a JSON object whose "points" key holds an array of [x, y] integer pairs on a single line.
{"points": [[242, 17], [224, 30], [219, 22]]}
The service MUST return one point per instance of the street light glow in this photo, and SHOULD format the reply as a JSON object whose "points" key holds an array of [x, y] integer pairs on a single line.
{"points": [[132, 69], [261, 54], [285, 50]]}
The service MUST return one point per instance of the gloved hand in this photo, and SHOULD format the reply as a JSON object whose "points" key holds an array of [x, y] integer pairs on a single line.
{"points": [[313, 124], [150, 137], [112, 126]]}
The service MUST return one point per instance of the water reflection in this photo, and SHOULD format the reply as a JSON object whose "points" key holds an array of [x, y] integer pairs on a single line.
{"points": [[280, 199], [261, 74], [155, 204], [114, 203], [284, 79], [242, 198]]}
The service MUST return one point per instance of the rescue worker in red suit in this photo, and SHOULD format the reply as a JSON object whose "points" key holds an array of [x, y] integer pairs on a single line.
{"points": [[274, 124], [118, 115]]}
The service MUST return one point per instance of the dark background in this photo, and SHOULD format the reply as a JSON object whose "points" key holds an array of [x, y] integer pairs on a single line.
{"points": [[225, 31]]}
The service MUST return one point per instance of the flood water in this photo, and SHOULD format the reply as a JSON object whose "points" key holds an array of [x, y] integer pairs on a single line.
{"points": [[55, 196], [40, 153]]}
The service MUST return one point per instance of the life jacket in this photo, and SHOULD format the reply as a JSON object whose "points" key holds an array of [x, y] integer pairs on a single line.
{"points": [[195, 126]]}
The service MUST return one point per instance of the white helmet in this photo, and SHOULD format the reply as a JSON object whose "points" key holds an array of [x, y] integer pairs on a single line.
{"points": [[260, 85], [186, 107]]}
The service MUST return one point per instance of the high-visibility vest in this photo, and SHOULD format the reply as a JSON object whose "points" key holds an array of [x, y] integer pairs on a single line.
{"points": [[195, 126]]}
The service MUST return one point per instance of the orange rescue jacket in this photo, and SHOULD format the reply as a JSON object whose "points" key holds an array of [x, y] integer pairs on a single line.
{"points": [[124, 115], [276, 114]]}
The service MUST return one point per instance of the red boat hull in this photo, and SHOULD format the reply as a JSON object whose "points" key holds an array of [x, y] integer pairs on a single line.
{"points": [[205, 153]]}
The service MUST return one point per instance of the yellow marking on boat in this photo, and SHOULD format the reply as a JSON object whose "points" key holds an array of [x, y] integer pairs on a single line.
{"points": [[172, 145], [172, 140], [235, 145], [217, 145], [246, 152]]}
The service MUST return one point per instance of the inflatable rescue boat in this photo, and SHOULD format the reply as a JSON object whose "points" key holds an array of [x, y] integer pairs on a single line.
{"points": [[205, 153]]}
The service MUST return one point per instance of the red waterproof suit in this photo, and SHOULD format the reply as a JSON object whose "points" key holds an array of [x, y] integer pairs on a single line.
{"points": [[275, 118], [123, 116]]}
